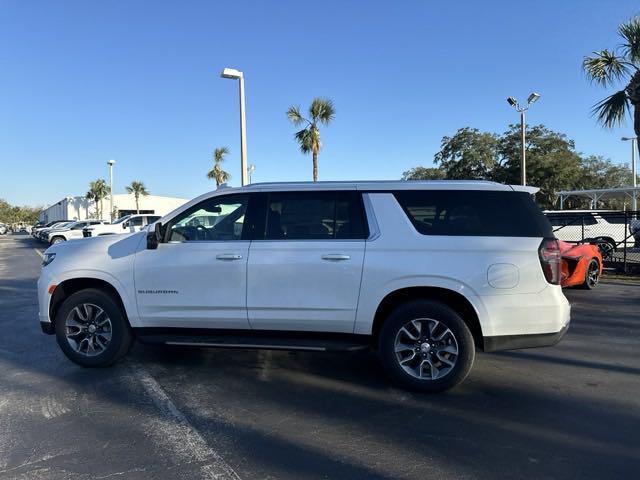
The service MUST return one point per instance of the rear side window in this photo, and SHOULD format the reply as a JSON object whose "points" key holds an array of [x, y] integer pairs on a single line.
{"points": [[314, 216], [474, 213], [577, 219]]}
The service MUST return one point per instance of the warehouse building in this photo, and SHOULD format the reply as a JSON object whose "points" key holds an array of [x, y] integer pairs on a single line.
{"points": [[80, 208]]}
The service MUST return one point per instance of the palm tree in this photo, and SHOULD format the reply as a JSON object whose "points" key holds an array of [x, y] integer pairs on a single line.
{"points": [[98, 190], [607, 67], [217, 173], [137, 188], [320, 111]]}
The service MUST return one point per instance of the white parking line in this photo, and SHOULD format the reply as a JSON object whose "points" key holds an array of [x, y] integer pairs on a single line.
{"points": [[39, 252], [176, 432]]}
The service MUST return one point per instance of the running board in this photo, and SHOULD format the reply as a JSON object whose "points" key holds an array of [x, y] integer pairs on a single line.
{"points": [[262, 341]]}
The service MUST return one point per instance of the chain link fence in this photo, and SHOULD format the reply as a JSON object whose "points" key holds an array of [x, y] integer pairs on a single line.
{"points": [[617, 234]]}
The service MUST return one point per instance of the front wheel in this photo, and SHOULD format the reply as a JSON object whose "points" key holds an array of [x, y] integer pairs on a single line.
{"points": [[426, 346], [55, 240], [92, 330]]}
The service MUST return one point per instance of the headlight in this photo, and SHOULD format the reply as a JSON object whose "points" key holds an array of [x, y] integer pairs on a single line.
{"points": [[48, 258]]}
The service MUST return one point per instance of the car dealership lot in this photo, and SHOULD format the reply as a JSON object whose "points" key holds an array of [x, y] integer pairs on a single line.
{"points": [[570, 411]]}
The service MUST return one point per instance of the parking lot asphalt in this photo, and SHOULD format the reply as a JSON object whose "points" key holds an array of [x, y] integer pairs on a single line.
{"points": [[569, 411]]}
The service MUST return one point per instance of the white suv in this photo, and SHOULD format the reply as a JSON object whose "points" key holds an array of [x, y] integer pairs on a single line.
{"points": [[70, 232], [126, 224], [423, 272]]}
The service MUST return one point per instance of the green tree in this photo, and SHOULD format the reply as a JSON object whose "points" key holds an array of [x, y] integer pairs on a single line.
{"points": [[468, 154], [424, 173], [10, 214], [137, 188], [98, 190], [552, 162], [621, 65], [217, 173], [320, 111]]}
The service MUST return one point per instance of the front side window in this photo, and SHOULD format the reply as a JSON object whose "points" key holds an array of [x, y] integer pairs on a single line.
{"points": [[214, 219], [135, 222], [314, 216]]}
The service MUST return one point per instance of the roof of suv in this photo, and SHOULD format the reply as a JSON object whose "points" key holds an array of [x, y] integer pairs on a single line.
{"points": [[384, 185]]}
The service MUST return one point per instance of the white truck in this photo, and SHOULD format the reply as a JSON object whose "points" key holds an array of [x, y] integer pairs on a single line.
{"points": [[424, 273], [69, 232], [126, 224]]}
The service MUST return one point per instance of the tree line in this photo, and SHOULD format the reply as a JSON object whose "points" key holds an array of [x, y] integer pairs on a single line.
{"points": [[12, 214], [553, 164]]}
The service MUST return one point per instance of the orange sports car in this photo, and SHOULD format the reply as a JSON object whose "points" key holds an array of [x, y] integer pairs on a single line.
{"points": [[581, 265]]}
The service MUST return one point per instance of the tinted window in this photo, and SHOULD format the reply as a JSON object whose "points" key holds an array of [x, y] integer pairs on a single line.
{"points": [[217, 218], [153, 218], [135, 222], [474, 213], [571, 219], [314, 216]]}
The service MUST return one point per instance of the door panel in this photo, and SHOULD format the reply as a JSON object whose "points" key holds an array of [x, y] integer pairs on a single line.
{"points": [[292, 287], [197, 277]]}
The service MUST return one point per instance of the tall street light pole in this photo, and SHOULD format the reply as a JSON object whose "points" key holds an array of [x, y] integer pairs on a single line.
{"points": [[238, 75], [533, 98], [110, 163], [634, 181]]}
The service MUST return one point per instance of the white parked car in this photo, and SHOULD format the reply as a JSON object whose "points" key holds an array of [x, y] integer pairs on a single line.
{"points": [[69, 232], [426, 273], [3, 229], [126, 224], [607, 228]]}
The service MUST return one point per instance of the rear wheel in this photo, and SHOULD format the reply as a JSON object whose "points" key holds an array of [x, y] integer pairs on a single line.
{"points": [[592, 277], [92, 330], [607, 247], [55, 240], [426, 346]]}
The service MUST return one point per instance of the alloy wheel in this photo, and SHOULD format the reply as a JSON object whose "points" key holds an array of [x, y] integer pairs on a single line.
{"points": [[593, 274], [426, 349], [88, 329]]}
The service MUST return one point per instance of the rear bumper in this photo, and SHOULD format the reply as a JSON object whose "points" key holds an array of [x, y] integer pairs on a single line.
{"points": [[514, 342]]}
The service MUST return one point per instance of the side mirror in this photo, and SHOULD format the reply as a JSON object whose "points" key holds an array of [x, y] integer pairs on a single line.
{"points": [[154, 237], [125, 225]]}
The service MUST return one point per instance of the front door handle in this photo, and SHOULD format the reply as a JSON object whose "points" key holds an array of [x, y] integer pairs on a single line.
{"points": [[228, 256], [335, 257]]}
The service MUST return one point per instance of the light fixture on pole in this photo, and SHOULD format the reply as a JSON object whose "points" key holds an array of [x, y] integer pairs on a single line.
{"points": [[234, 74], [531, 99], [111, 163], [634, 182], [250, 169]]}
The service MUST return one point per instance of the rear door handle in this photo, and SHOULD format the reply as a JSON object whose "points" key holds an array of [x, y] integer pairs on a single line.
{"points": [[335, 257], [228, 256]]}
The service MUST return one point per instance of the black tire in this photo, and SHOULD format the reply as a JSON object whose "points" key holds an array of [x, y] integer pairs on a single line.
{"points": [[57, 239], [121, 334], [592, 275], [424, 309], [607, 247]]}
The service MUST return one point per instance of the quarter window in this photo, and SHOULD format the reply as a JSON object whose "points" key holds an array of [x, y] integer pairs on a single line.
{"points": [[215, 219], [474, 213]]}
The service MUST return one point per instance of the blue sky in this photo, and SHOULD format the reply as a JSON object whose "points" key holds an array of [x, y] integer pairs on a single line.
{"points": [[85, 81]]}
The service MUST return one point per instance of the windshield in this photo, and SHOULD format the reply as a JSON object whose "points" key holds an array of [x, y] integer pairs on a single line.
{"points": [[121, 219]]}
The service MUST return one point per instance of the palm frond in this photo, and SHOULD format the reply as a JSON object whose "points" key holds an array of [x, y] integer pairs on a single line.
{"points": [[305, 140], [137, 188], [322, 110], [612, 110], [219, 153], [630, 31], [294, 115], [604, 67]]}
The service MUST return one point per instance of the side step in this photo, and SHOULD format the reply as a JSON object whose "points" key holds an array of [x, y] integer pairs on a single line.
{"points": [[306, 341]]}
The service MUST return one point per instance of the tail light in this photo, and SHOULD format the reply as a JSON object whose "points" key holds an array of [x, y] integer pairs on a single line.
{"points": [[550, 260]]}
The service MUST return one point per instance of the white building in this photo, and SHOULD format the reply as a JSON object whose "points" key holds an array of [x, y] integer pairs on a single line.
{"points": [[79, 208]]}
